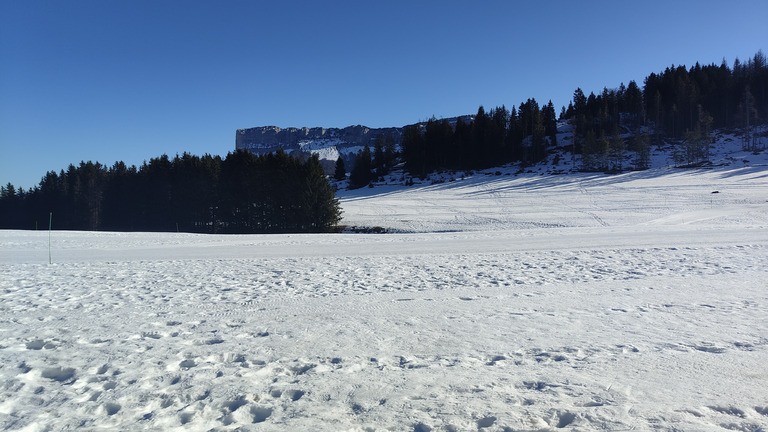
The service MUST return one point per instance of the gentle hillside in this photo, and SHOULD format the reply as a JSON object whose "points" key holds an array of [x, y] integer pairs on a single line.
{"points": [[511, 196]]}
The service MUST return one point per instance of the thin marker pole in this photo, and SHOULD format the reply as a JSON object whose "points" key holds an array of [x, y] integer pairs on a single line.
{"points": [[50, 224]]}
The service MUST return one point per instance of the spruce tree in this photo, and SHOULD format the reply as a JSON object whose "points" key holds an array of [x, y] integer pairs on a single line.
{"points": [[361, 174], [642, 145], [460, 156], [341, 172], [633, 103], [320, 208], [414, 152], [590, 152], [514, 137], [390, 151], [617, 150], [379, 161], [604, 147], [550, 123]]}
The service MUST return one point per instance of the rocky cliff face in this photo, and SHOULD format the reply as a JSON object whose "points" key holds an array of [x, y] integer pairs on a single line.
{"points": [[327, 143]]}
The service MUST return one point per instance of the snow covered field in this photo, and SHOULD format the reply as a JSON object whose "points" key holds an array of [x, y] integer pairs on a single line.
{"points": [[574, 302]]}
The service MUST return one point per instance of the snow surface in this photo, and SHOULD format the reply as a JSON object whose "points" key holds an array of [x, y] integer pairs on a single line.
{"points": [[502, 302]]}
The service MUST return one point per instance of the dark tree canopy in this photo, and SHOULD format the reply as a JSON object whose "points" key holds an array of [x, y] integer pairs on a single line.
{"points": [[362, 173], [491, 138], [340, 172], [242, 193]]}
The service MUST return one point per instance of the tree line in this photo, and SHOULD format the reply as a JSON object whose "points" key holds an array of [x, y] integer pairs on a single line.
{"points": [[488, 139], [242, 193], [679, 105], [484, 140]]}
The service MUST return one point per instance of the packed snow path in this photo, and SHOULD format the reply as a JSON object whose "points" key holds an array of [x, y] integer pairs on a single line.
{"points": [[654, 319]]}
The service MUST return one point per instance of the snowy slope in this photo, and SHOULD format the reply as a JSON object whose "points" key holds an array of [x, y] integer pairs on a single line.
{"points": [[555, 194], [502, 202], [529, 302]]}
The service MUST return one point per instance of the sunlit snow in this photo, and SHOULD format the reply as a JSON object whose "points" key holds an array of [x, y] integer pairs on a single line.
{"points": [[497, 302]]}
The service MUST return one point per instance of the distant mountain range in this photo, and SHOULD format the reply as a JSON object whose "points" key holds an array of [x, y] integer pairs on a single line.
{"points": [[327, 143]]}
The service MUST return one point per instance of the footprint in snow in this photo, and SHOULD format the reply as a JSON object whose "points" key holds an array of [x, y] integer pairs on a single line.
{"points": [[232, 405], [111, 408], [185, 417], [187, 364], [59, 374], [301, 369], [486, 422], [24, 367], [260, 414], [494, 359], [564, 419], [421, 427], [294, 395], [39, 344]]}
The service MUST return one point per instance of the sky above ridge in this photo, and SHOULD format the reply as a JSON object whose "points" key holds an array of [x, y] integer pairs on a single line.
{"points": [[119, 80]]}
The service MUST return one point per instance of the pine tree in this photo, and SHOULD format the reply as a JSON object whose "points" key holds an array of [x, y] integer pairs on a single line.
{"points": [[390, 151], [361, 174], [538, 149], [414, 152], [8, 191], [633, 104], [379, 161], [341, 172], [617, 150], [704, 125], [500, 117], [438, 137], [590, 152], [580, 122], [604, 147], [642, 145], [550, 123], [515, 137], [321, 211], [461, 150], [481, 130]]}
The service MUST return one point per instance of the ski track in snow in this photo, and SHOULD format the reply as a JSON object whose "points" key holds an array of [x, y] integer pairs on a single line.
{"points": [[628, 307]]}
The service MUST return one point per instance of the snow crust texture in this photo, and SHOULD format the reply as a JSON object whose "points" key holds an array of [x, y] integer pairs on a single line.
{"points": [[546, 303]]}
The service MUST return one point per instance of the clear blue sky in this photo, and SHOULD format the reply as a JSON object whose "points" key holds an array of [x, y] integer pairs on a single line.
{"points": [[130, 80]]}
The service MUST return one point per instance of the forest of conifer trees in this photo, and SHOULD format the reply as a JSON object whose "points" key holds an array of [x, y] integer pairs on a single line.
{"points": [[242, 193], [679, 105]]}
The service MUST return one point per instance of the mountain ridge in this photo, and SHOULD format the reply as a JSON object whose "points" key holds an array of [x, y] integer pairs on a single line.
{"points": [[327, 143]]}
